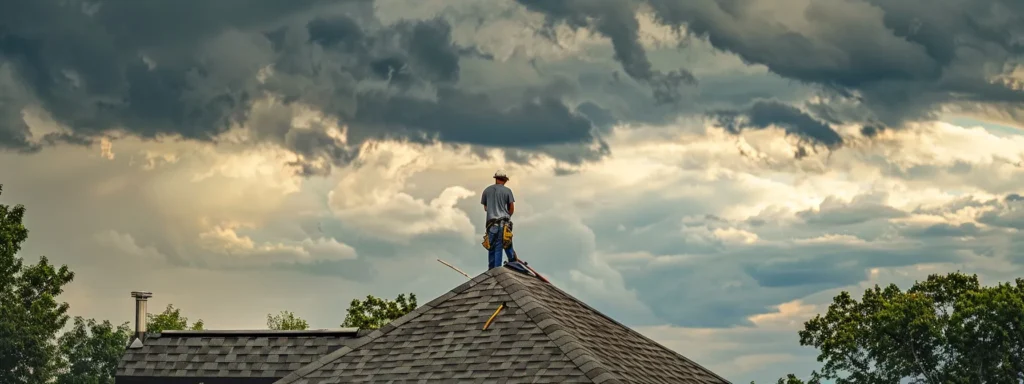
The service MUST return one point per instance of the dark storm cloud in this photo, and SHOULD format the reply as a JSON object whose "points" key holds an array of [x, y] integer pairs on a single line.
{"points": [[13, 130], [616, 20], [598, 115], [467, 117], [881, 63], [766, 113], [611, 102], [194, 68]]}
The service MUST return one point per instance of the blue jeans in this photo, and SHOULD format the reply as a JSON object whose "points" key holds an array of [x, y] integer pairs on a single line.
{"points": [[496, 235]]}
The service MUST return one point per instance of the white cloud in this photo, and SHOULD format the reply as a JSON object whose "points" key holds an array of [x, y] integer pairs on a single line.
{"points": [[789, 315], [374, 195]]}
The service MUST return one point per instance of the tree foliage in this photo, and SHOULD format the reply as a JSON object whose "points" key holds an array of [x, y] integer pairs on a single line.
{"points": [[30, 314], [286, 321], [947, 329], [91, 350], [792, 379], [374, 312], [170, 320]]}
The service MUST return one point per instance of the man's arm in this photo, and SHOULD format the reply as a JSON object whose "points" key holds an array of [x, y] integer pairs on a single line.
{"points": [[511, 203], [483, 199]]}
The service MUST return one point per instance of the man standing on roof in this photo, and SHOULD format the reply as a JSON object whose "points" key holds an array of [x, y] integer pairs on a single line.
{"points": [[499, 203]]}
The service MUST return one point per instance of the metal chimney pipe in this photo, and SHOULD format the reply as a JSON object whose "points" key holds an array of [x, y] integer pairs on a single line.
{"points": [[140, 313]]}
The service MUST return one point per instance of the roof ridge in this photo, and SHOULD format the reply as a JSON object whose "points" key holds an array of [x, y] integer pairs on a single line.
{"points": [[257, 332], [584, 359], [319, 363], [616, 322]]}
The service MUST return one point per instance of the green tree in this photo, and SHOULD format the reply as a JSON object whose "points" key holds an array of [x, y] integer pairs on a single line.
{"points": [[375, 312], [171, 320], [792, 379], [91, 350], [30, 314], [947, 329], [286, 321]]}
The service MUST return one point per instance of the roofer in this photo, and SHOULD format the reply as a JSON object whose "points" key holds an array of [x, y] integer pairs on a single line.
{"points": [[499, 203]]}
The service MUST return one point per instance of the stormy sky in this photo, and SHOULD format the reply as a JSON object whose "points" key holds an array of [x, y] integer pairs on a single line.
{"points": [[710, 172]]}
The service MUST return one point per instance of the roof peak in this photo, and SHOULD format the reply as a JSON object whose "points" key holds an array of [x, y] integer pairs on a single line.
{"points": [[259, 332], [539, 331]]}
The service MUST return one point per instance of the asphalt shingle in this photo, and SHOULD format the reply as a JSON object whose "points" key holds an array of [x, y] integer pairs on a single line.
{"points": [[228, 354], [543, 335]]}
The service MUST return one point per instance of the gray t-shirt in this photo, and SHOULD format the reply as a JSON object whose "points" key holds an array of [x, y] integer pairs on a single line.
{"points": [[496, 198]]}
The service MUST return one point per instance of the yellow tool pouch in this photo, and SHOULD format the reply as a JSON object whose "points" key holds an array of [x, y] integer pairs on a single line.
{"points": [[507, 236]]}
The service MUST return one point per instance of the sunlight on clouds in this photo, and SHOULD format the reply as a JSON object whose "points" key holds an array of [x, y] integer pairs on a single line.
{"points": [[789, 315], [402, 216], [382, 173], [266, 166], [381, 195], [217, 184], [373, 194], [695, 166], [106, 149], [941, 143], [831, 239], [224, 240], [734, 235], [1012, 79], [151, 159]]}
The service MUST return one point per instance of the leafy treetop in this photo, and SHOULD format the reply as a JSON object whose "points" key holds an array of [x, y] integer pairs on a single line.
{"points": [[947, 329], [30, 314], [171, 320], [375, 312], [91, 351], [286, 321]]}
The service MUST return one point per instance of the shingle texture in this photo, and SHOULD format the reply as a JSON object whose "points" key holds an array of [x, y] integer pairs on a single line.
{"points": [[543, 335], [211, 354]]}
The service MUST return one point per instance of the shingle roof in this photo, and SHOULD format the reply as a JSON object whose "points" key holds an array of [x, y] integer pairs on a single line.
{"points": [[543, 336], [220, 356]]}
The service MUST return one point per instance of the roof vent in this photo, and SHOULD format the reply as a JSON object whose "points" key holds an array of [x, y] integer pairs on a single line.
{"points": [[136, 343], [140, 316]]}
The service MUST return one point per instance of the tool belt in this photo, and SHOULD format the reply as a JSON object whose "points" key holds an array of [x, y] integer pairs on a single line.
{"points": [[506, 224]]}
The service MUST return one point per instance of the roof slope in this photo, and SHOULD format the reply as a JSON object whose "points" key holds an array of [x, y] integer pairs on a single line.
{"points": [[219, 356], [543, 336]]}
